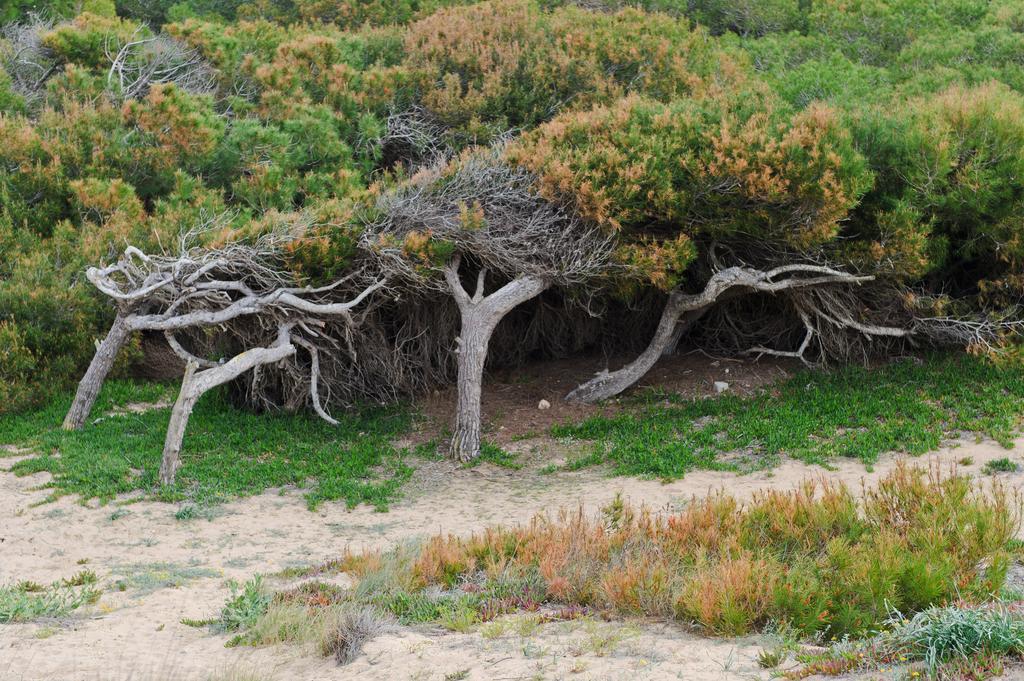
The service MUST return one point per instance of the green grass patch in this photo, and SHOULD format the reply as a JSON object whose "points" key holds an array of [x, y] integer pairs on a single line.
{"points": [[1003, 465], [814, 416], [493, 454], [959, 641], [227, 452]]}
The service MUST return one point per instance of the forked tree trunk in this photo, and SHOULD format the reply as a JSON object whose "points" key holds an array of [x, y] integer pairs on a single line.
{"points": [[480, 315], [96, 374], [197, 383]]}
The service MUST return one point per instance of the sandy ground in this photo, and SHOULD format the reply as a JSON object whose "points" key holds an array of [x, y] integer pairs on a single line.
{"points": [[174, 569]]}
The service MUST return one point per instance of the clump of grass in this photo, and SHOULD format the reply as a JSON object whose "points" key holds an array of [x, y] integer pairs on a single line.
{"points": [[28, 601], [770, 658], [1003, 465], [228, 451], [814, 416], [81, 578], [816, 560], [954, 641], [347, 633], [492, 453], [938, 635], [314, 613]]}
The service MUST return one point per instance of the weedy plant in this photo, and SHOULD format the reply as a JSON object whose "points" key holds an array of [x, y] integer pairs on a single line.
{"points": [[958, 641], [1003, 465], [315, 613], [28, 601]]}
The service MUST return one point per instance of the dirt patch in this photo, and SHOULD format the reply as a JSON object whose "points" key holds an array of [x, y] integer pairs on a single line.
{"points": [[511, 397]]}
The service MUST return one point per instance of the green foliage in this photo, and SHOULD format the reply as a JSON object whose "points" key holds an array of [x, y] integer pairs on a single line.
{"points": [[1003, 465], [938, 635], [883, 135], [508, 64], [955, 641], [27, 601], [247, 603], [729, 166], [230, 452], [814, 417]]}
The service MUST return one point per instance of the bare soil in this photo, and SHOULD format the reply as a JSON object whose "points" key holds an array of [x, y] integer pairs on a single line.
{"points": [[511, 397]]}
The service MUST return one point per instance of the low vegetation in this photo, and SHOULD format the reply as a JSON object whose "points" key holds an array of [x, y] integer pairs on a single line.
{"points": [[909, 406], [816, 561], [313, 613], [29, 601], [233, 452], [960, 641]]}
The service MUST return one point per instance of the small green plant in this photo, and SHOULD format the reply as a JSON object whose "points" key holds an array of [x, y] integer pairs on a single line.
{"points": [[951, 642], [145, 578], [770, 658], [247, 603], [461, 619], [81, 578], [1003, 465], [492, 453], [28, 601]]}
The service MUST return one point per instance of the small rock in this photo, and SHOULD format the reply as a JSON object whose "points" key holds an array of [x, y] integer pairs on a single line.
{"points": [[543, 404], [721, 386]]}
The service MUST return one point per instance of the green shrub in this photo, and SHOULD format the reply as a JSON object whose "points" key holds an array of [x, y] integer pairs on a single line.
{"points": [[1003, 465]]}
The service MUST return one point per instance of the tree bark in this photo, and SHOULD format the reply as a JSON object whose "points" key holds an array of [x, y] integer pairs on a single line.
{"points": [[480, 316], [99, 368], [197, 383], [608, 384]]}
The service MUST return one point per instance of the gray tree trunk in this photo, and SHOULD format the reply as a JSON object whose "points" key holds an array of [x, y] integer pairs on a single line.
{"points": [[681, 310], [197, 383], [100, 366], [480, 315], [610, 383]]}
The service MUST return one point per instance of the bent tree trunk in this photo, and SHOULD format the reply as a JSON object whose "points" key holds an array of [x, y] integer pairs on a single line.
{"points": [[197, 383], [608, 384], [480, 315], [99, 367], [687, 308]]}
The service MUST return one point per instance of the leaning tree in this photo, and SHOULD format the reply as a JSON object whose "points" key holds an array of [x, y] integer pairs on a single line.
{"points": [[245, 293], [714, 199], [477, 220]]}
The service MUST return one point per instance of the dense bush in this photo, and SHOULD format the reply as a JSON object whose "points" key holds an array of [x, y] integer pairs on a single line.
{"points": [[882, 136]]}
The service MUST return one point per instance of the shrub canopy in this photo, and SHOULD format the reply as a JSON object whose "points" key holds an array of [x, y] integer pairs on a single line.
{"points": [[882, 136]]}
